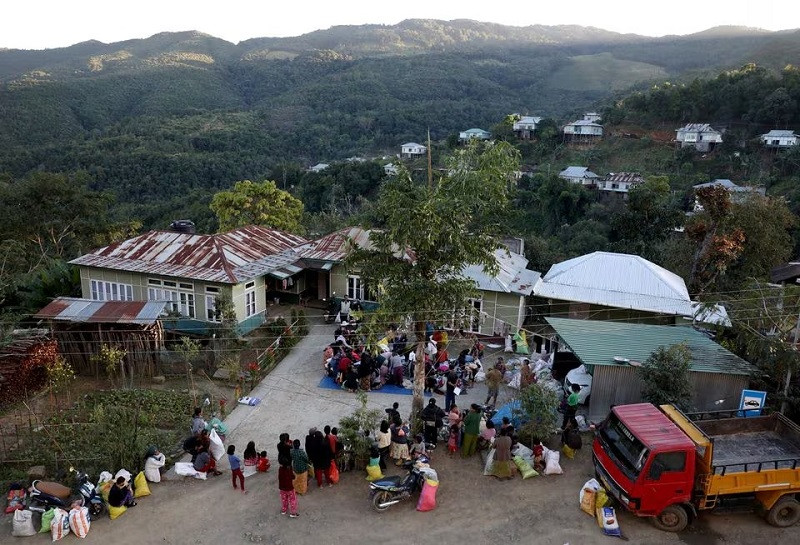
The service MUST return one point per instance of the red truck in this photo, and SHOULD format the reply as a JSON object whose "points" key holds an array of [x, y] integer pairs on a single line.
{"points": [[661, 463]]}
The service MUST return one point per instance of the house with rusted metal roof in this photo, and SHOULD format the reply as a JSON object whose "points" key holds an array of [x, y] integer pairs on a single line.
{"points": [[499, 306], [617, 184], [191, 271]]}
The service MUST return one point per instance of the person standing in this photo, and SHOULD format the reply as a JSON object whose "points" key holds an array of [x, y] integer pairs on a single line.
{"points": [[384, 440], [198, 424], [399, 451], [236, 468], [572, 406], [300, 467], [493, 379], [286, 486], [472, 426], [320, 454], [344, 310], [432, 420], [450, 390]]}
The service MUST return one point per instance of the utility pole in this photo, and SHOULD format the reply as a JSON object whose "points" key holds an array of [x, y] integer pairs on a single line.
{"points": [[430, 167]]}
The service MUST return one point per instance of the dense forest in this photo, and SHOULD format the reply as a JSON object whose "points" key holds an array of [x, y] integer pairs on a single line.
{"points": [[132, 135]]}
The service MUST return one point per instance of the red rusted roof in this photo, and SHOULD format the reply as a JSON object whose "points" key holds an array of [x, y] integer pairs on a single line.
{"points": [[72, 309], [226, 258]]}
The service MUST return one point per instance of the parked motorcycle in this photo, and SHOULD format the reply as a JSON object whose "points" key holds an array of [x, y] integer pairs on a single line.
{"points": [[393, 489], [46, 494]]}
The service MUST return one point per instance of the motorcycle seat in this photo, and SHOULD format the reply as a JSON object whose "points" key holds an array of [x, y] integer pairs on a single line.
{"points": [[389, 482], [53, 489]]}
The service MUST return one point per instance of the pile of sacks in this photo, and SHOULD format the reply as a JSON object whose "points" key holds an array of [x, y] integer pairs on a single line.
{"points": [[106, 481]]}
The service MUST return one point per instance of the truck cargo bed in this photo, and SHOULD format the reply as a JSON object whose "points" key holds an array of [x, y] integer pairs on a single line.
{"points": [[752, 444]]}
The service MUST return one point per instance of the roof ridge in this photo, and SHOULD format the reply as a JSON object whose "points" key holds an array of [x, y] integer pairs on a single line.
{"points": [[224, 259]]}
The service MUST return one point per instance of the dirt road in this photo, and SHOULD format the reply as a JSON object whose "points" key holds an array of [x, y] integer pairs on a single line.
{"points": [[471, 508]]}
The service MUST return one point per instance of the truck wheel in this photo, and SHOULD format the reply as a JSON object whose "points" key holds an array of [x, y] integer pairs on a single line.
{"points": [[672, 519], [785, 513]]}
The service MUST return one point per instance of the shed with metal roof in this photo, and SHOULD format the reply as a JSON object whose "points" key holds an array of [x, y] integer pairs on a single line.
{"points": [[605, 348]]}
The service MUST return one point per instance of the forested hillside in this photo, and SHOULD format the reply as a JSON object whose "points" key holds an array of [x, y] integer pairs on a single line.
{"points": [[152, 119]]}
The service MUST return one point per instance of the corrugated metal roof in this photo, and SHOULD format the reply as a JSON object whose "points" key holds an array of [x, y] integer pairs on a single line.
{"points": [[584, 123], [616, 280], [513, 275], [333, 247], [778, 133], [698, 127], [625, 177], [71, 309], [597, 342], [233, 257], [577, 172]]}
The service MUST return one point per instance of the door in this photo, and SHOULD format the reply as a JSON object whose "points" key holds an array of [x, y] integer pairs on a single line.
{"points": [[667, 480], [475, 309]]}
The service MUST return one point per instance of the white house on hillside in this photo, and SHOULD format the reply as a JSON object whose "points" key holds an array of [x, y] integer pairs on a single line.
{"points": [[593, 117], [700, 136], [779, 139], [579, 175], [470, 134], [619, 183], [583, 131], [525, 126], [319, 167], [410, 150]]}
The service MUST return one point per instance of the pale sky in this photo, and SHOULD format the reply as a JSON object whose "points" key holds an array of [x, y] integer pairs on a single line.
{"points": [[37, 24]]}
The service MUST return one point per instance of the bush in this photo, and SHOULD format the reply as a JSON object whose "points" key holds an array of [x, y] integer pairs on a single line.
{"points": [[352, 427]]}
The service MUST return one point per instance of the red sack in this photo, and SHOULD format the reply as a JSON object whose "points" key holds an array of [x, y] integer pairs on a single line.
{"points": [[333, 473]]}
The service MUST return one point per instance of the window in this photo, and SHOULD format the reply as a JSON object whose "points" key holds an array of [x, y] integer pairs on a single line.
{"points": [[250, 307], [667, 461], [111, 291], [355, 288], [211, 303], [179, 295]]}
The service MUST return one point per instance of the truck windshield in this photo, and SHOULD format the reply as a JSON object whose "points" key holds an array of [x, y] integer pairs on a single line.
{"points": [[623, 447]]}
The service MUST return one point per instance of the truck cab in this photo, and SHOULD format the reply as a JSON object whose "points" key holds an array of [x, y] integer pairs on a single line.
{"points": [[644, 460]]}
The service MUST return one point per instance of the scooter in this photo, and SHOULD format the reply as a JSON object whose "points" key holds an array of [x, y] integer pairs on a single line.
{"points": [[46, 494], [391, 490]]}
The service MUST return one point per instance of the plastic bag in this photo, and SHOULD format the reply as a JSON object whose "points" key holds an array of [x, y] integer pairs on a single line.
{"points": [[216, 449], [601, 498], [607, 520], [15, 499], [480, 376], [487, 469], [427, 498], [525, 468], [59, 527], [79, 521], [373, 473], [140, 487], [22, 526], [587, 501], [592, 484], [333, 473], [47, 518], [551, 465], [568, 452], [115, 512]]}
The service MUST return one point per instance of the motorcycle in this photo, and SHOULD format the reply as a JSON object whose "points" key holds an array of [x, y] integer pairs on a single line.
{"points": [[45, 495], [393, 489]]}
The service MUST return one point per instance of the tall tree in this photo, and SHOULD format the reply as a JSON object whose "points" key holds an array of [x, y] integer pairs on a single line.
{"points": [[428, 233], [257, 203]]}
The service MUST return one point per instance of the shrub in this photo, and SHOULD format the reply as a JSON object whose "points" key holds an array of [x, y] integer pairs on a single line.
{"points": [[666, 376]]}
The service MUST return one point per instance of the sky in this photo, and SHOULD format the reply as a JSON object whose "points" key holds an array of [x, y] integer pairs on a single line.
{"points": [[39, 24]]}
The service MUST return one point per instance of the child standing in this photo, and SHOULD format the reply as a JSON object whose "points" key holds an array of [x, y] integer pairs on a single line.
{"points": [[236, 468], [286, 486], [452, 441]]}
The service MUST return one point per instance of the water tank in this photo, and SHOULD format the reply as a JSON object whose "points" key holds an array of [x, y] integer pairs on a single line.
{"points": [[182, 226]]}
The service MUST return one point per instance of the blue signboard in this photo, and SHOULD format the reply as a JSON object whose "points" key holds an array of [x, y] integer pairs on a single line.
{"points": [[752, 402]]}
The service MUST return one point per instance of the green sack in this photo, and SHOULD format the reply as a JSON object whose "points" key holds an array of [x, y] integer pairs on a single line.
{"points": [[525, 468], [47, 519]]}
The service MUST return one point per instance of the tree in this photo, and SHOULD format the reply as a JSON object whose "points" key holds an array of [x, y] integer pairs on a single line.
{"points": [[429, 233], [538, 407], [665, 375], [112, 360], [257, 203]]}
